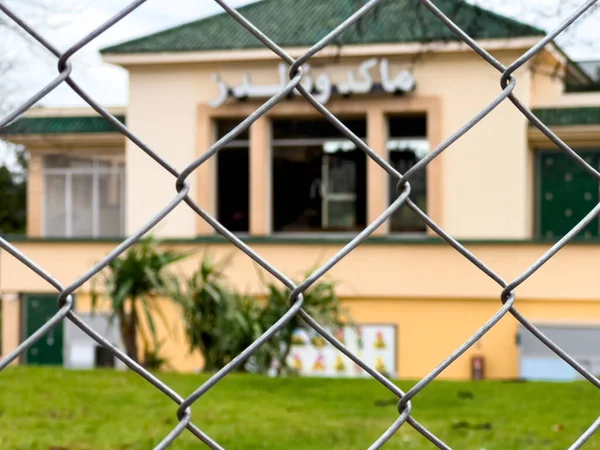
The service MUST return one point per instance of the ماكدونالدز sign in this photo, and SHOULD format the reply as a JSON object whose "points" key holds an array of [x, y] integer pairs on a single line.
{"points": [[359, 82]]}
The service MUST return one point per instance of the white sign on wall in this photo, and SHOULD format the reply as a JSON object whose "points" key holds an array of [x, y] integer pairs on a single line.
{"points": [[81, 356], [360, 81], [311, 355]]}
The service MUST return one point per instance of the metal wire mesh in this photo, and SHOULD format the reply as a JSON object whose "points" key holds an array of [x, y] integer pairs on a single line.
{"points": [[507, 303]]}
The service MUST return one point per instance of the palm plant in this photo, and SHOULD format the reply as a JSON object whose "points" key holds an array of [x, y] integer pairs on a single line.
{"points": [[219, 322], [320, 302], [132, 284]]}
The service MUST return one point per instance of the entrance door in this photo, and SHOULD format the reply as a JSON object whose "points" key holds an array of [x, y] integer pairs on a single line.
{"points": [[37, 310]]}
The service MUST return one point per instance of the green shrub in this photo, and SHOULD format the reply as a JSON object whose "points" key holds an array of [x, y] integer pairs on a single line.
{"points": [[132, 284], [221, 323], [218, 322], [320, 302]]}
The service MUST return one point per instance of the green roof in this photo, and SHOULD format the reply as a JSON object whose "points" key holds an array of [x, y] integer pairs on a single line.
{"points": [[293, 23], [59, 125], [568, 116]]}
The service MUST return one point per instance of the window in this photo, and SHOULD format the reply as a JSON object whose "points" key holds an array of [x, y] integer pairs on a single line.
{"points": [[83, 196], [407, 145], [566, 194], [319, 177], [233, 179]]}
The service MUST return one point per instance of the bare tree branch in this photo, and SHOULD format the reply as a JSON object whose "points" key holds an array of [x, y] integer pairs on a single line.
{"points": [[19, 52], [581, 38]]}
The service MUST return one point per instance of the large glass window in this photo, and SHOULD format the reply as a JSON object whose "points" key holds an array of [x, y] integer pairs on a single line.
{"points": [[319, 177], [83, 196], [566, 194], [233, 179], [407, 145]]}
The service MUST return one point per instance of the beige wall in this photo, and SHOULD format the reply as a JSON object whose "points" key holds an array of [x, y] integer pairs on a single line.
{"points": [[478, 202], [548, 92], [569, 100], [548, 89], [167, 109], [162, 113], [468, 192], [35, 194], [260, 178]]}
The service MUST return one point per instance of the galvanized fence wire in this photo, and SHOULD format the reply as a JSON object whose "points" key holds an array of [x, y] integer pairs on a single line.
{"points": [[507, 290]]}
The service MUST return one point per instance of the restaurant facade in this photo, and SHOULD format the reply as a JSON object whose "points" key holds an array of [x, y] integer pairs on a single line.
{"points": [[296, 189]]}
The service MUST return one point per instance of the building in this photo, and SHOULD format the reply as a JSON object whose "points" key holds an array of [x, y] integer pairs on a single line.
{"points": [[502, 189]]}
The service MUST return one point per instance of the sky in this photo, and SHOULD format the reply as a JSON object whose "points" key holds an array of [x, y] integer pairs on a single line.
{"points": [[107, 83], [74, 20]]}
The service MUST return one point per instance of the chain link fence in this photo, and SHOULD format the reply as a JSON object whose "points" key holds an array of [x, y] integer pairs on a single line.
{"points": [[506, 290]]}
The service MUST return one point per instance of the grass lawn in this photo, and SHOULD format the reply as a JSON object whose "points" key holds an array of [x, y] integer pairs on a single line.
{"points": [[54, 409]]}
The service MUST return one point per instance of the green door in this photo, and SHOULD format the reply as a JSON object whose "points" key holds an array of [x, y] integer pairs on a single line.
{"points": [[38, 309], [566, 194]]}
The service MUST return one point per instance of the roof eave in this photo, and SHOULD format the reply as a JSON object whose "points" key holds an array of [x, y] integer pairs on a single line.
{"points": [[364, 50], [86, 111], [81, 140], [583, 136]]}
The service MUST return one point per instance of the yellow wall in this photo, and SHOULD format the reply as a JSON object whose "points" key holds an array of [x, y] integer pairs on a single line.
{"points": [[431, 330], [435, 309], [386, 270], [11, 325], [170, 331]]}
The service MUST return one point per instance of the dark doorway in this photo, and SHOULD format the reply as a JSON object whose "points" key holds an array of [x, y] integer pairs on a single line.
{"points": [[234, 188], [233, 179]]}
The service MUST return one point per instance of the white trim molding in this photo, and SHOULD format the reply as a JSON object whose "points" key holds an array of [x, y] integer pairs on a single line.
{"points": [[368, 50]]}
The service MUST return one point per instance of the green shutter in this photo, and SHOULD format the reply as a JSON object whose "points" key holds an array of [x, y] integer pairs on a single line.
{"points": [[39, 309], [566, 194]]}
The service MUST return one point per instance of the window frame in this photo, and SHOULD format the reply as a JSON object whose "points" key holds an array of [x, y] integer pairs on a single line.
{"points": [[391, 199], [378, 110], [95, 171], [321, 141]]}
